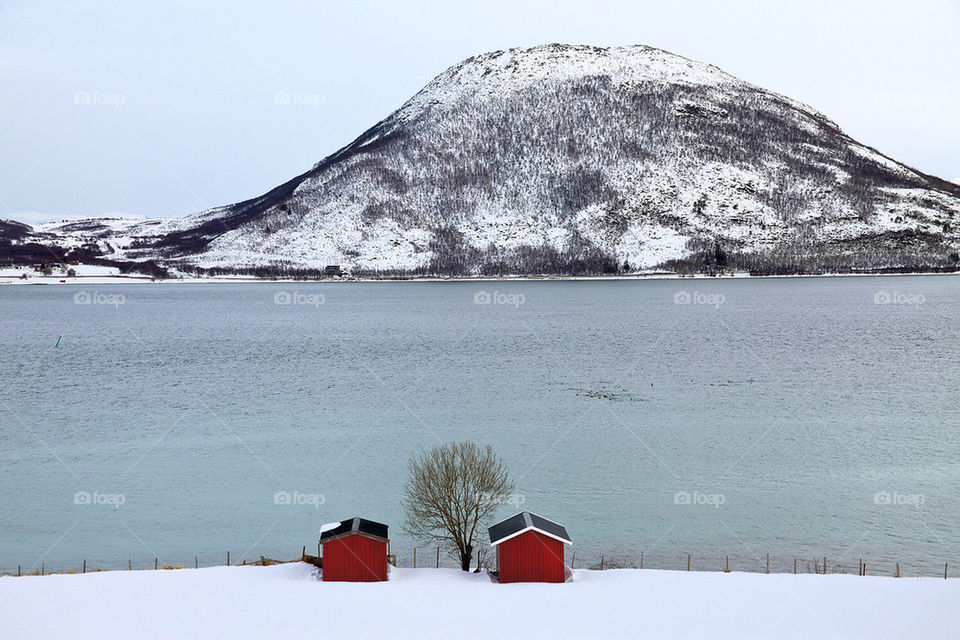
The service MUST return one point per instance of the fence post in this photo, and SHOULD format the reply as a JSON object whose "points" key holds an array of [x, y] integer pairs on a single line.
{"points": [[944, 570], [794, 566], [768, 563], [601, 562], [824, 565], [196, 561], [688, 562], [438, 556], [18, 571], [129, 565], [414, 557], [727, 564], [898, 571], [641, 559], [228, 557], [84, 566], [156, 563], [43, 568]]}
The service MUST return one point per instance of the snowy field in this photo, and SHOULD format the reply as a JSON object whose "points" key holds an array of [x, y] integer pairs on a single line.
{"points": [[92, 275], [288, 601], [85, 273]]}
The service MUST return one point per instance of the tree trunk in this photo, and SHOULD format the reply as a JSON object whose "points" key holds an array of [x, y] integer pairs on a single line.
{"points": [[465, 556]]}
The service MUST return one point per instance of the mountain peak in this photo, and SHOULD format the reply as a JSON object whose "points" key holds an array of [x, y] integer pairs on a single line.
{"points": [[518, 68], [579, 159], [559, 61]]}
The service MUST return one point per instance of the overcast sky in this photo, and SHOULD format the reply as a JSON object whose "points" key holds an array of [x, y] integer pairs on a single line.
{"points": [[164, 109]]}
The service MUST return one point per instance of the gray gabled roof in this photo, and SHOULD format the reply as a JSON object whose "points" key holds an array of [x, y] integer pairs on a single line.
{"points": [[366, 527], [526, 521]]}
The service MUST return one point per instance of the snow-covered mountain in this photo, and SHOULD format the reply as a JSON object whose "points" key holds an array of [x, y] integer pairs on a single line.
{"points": [[572, 159]]}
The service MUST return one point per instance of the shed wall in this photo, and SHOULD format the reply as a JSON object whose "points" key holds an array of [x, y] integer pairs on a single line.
{"points": [[354, 558], [531, 557]]}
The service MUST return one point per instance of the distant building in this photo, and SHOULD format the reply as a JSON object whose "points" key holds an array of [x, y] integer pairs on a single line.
{"points": [[355, 550], [530, 548], [333, 270]]}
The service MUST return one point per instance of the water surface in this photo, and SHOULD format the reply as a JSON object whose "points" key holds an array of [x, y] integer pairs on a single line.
{"points": [[798, 417]]}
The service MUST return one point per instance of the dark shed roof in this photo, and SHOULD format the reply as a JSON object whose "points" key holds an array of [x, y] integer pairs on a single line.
{"points": [[355, 525], [526, 521]]}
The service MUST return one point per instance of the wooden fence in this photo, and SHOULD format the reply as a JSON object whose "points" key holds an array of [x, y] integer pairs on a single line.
{"points": [[688, 562]]}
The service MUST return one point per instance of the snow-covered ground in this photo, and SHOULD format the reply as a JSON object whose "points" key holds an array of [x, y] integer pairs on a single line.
{"points": [[288, 601], [91, 274], [83, 273]]}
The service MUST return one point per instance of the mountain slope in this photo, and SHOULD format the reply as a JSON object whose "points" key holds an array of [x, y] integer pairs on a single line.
{"points": [[575, 159]]}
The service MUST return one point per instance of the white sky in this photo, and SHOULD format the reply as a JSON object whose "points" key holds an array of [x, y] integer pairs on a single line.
{"points": [[183, 113]]}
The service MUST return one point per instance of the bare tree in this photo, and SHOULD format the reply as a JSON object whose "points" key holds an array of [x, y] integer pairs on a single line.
{"points": [[451, 491]]}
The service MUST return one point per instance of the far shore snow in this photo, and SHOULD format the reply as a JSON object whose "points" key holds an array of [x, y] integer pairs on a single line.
{"points": [[107, 277], [289, 601]]}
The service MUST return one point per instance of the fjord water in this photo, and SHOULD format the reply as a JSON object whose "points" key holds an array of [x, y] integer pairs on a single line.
{"points": [[803, 417]]}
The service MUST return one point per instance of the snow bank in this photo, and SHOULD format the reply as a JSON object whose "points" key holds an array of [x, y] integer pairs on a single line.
{"points": [[288, 601]]}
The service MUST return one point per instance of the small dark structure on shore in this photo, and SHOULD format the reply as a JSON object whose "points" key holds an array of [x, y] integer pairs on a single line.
{"points": [[333, 270], [355, 551], [529, 549]]}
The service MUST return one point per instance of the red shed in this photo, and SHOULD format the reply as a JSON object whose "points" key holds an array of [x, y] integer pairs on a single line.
{"points": [[529, 549], [354, 550]]}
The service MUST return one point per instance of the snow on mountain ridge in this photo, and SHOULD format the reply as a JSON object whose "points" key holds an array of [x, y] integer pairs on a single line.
{"points": [[629, 152], [517, 68], [563, 158]]}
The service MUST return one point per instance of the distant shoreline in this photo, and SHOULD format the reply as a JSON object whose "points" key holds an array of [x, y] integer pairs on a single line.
{"points": [[136, 279]]}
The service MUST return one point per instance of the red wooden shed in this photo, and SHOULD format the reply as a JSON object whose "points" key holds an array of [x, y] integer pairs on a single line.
{"points": [[354, 550], [529, 549]]}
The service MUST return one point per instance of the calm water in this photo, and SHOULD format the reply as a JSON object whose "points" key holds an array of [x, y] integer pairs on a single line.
{"points": [[796, 416]]}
